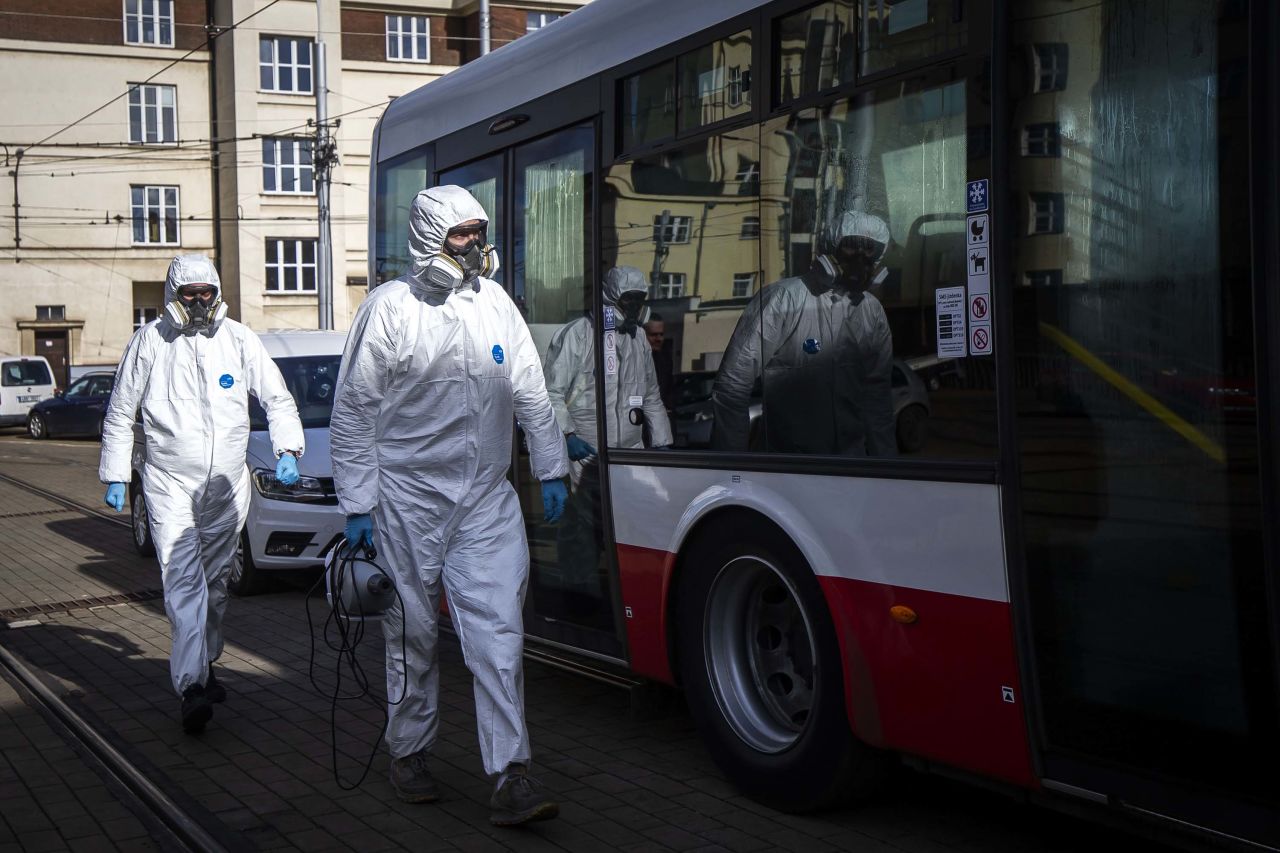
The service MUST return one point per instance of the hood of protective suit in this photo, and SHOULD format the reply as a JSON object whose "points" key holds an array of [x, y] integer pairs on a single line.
{"points": [[434, 212], [855, 223], [190, 269], [620, 280]]}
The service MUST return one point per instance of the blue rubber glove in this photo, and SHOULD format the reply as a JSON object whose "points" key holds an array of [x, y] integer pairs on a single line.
{"points": [[554, 495], [578, 449], [359, 530], [287, 469], [115, 496]]}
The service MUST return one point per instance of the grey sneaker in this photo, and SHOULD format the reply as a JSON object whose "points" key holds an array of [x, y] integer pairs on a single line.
{"points": [[517, 799], [412, 780]]}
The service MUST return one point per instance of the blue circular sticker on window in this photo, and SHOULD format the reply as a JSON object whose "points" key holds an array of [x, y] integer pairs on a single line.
{"points": [[497, 354], [226, 380], [812, 345]]}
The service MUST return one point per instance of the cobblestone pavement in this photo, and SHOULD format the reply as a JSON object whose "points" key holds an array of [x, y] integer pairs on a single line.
{"points": [[261, 777]]}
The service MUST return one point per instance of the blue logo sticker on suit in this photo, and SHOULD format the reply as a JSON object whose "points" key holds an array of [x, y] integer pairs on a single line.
{"points": [[226, 380], [812, 345], [497, 354]]}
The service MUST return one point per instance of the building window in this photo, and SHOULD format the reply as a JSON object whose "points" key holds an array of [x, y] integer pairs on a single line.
{"points": [[750, 228], [291, 266], [148, 22], [670, 285], [284, 64], [743, 283], [1050, 67], [675, 231], [142, 315], [287, 166], [51, 312], [538, 20], [155, 215], [408, 38], [1041, 140], [736, 87], [153, 114], [1042, 278], [1046, 213]]}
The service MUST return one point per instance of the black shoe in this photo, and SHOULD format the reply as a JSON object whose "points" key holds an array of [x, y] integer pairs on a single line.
{"points": [[196, 709], [517, 799], [412, 780], [215, 691]]}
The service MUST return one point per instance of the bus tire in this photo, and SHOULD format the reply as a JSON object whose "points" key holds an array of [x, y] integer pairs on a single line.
{"points": [[763, 675]]}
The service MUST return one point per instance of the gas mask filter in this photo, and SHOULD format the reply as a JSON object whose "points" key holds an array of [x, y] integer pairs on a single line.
{"points": [[450, 270], [197, 314]]}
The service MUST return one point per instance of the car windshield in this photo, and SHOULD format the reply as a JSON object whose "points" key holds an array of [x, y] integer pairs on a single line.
{"points": [[25, 373], [311, 380]]}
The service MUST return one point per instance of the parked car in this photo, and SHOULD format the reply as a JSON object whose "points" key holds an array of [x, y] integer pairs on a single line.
{"points": [[694, 414], [289, 527], [78, 411], [24, 381]]}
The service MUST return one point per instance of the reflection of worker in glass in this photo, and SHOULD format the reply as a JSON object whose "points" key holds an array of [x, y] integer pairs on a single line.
{"points": [[632, 403], [823, 346]]}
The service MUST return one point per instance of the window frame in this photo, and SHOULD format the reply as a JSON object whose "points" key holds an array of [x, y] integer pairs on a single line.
{"points": [[275, 40], [1057, 213], [413, 37], [746, 231], [677, 225], [140, 312], [146, 208], [673, 280], [159, 109], [544, 20], [750, 284], [299, 264], [141, 16], [278, 168], [51, 312]]}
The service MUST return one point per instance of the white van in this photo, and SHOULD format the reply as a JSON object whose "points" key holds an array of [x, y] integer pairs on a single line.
{"points": [[24, 381]]}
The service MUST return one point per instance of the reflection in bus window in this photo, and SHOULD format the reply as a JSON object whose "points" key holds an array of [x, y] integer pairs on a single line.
{"points": [[898, 32], [715, 81], [815, 50], [484, 180], [648, 108], [399, 180]]}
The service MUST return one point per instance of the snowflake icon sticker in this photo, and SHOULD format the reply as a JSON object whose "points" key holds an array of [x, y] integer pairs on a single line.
{"points": [[977, 196]]}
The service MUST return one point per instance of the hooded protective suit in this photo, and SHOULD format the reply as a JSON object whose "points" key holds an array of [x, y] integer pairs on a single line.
{"points": [[826, 354], [421, 438], [193, 388]]}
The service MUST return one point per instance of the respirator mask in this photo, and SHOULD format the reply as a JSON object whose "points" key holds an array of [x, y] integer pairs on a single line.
{"points": [[196, 313], [632, 311], [851, 267], [456, 265]]}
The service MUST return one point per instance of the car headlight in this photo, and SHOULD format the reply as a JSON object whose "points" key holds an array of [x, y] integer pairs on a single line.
{"points": [[306, 490]]}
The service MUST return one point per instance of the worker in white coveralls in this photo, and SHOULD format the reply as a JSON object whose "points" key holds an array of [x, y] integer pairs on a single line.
{"points": [[632, 403], [191, 372], [438, 363]]}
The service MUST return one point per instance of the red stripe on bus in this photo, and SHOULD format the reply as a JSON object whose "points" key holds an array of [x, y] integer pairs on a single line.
{"points": [[645, 574], [944, 687]]}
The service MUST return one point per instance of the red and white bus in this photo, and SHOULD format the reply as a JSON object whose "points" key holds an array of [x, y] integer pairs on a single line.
{"points": [[1057, 565]]}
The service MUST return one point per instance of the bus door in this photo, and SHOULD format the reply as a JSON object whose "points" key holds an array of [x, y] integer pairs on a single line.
{"points": [[1137, 406], [539, 194]]}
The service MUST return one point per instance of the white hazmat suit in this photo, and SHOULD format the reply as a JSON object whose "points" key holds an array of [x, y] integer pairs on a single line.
{"points": [[193, 389], [826, 355], [421, 434]]}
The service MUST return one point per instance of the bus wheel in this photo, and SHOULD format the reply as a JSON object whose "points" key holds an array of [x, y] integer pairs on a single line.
{"points": [[762, 673]]}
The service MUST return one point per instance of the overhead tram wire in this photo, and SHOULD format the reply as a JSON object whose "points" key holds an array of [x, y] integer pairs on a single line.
{"points": [[200, 46]]}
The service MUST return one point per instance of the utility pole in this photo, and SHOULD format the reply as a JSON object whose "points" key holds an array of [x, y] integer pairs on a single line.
{"points": [[484, 27], [17, 208], [659, 251], [324, 156]]}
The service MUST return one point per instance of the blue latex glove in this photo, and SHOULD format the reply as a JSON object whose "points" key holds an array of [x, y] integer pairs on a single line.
{"points": [[578, 449], [359, 530], [554, 495], [115, 496], [287, 469]]}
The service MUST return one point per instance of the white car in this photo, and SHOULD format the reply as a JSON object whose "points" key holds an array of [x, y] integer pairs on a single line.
{"points": [[289, 527], [24, 381]]}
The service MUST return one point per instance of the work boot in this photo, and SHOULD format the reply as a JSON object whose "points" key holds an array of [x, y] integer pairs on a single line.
{"points": [[196, 709], [516, 799], [412, 780], [213, 689]]}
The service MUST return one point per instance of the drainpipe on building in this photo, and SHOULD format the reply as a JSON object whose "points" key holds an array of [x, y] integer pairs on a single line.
{"points": [[484, 27]]}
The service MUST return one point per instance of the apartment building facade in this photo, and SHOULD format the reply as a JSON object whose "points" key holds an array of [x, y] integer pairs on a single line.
{"points": [[136, 130]]}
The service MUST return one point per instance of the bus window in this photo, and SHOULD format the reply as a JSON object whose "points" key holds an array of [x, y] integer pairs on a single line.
{"points": [[687, 223], [648, 109], [715, 81], [399, 180], [868, 197], [814, 50], [901, 32], [483, 179]]}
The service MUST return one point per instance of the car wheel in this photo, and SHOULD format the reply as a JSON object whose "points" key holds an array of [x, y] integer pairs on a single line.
{"points": [[140, 522], [245, 578], [911, 428], [36, 426], [763, 676]]}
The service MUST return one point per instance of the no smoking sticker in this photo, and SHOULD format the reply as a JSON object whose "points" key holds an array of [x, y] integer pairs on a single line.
{"points": [[980, 339]]}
